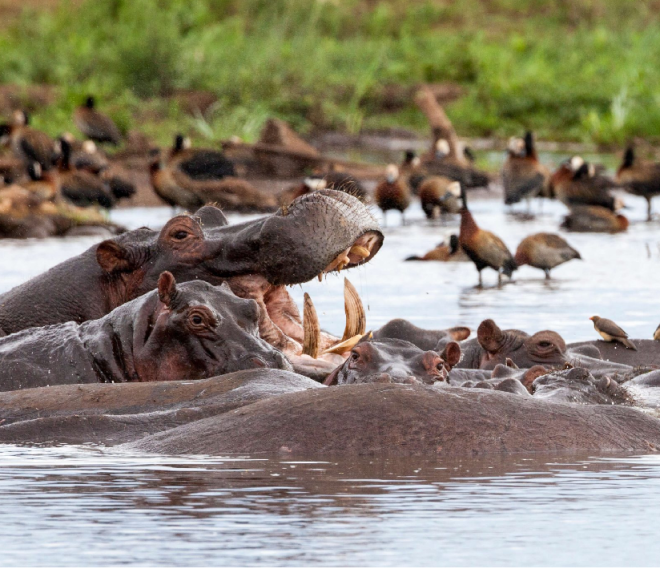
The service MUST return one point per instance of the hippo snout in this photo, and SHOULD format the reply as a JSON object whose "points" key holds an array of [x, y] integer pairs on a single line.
{"points": [[270, 360]]}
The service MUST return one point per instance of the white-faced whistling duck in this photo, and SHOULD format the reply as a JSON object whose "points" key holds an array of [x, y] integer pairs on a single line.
{"points": [[95, 125], [577, 182], [444, 252], [199, 163], [484, 248], [439, 195], [27, 143], [393, 193], [639, 177], [523, 176], [585, 218], [545, 251]]}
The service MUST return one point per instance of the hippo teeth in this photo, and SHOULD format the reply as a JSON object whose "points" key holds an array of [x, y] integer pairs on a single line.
{"points": [[356, 319], [311, 329], [344, 346], [359, 250]]}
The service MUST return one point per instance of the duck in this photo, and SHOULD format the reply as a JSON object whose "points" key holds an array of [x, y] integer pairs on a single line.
{"points": [[411, 169], [444, 252], [441, 163], [176, 188], [577, 182], [585, 218], [334, 180], [439, 194], [80, 187], [544, 251], [393, 193], [639, 177], [95, 125], [484, 248], [27, 143], [523, 176], [44, 184], [199, 163]]}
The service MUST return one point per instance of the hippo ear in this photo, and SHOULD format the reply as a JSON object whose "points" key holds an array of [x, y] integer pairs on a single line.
{"points": [[488, 330], [459, 333], [332, 379], [112, 257], [166, 288], [211, 216], [451, 353]]}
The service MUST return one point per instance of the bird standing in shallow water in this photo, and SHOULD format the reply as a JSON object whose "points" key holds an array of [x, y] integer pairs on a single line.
{"points": [[523, 176], [484, 248], [639, 177], [610, 331], [393, 193], [94, 125], [545, 251]]}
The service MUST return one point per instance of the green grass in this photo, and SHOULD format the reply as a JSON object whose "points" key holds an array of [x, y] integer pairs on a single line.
{"points": [[569, 69]]}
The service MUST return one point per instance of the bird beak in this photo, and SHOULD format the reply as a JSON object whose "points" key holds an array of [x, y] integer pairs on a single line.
{"points": [[591, 318]]}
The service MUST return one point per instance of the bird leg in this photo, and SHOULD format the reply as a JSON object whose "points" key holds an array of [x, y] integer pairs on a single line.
{"points": [[547, 274], [481, 284], [648, 212]]}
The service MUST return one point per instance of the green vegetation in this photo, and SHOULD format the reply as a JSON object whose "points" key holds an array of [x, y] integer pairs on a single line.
{"points": [[570, 69]]}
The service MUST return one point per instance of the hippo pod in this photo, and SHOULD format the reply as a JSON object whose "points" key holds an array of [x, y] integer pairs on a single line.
{"points": [[394, 361], [493, 346], [320, 232], [190, 331]]}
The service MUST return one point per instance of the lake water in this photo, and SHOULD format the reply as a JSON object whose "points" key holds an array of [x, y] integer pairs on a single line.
{"points": [[77, 506]]}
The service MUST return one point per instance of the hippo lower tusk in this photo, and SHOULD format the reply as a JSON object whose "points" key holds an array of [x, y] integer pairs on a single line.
{"points": [[360, 251], [344, 346], [311, 329], [356, 319]]}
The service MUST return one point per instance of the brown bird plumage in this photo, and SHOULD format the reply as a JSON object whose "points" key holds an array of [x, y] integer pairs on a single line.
{"points": [[29, 144], [393, 193], [94, 125], [444, 252], [484, 248], [594, 219], [437, 195], [545, 251], [610, 331], [639, 177], [577, 182], [523, 176]]}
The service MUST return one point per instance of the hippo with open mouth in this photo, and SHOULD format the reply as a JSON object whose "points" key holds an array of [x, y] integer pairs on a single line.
{"points": [[190, 331], [318, 233]]}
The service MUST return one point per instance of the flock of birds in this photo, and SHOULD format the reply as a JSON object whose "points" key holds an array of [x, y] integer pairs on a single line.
{"points": [[583, 187]]}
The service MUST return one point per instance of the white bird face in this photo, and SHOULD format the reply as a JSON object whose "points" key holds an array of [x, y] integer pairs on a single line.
{"points": [[391, 173], [441, 148]]}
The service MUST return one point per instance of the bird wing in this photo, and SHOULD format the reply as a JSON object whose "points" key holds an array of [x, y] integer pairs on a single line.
{"points": [[207, 165], [611, 328], [492, 249]]}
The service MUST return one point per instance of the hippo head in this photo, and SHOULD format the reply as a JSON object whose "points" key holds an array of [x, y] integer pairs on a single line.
{"points": [[494, 340], [394, 360], [317, 233], [195, 331], [546, 348]]}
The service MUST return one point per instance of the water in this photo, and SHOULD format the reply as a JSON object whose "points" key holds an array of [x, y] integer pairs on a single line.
{"points": [[87, 506], [79, 506]]}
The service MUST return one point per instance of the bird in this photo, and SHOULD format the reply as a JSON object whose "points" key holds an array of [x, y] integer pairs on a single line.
{"points": [[656, 334], [545, 251], [80, 187], [441, 163], [29, 144], [411, 169], [199, 163], [584, 218], [439, 194], [44, 184], [577, 182], [334, 180], [444, 252], [393, 193], [95, 125], [610, 331], [523, 176], [639, 177], [484, 248]]}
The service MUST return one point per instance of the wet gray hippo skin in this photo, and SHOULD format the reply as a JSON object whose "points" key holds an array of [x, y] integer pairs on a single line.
{"points": [[578, 385], [394, 419], [118, 413], [494, 345], [190, 331], [647, 353], [394, 361], [427, 340], [313, 235]]}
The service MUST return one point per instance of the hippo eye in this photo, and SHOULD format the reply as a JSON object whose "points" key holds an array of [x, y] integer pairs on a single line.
{"points": [[355, 355], [197, 320], [440, 365], [180, 234], [545, 344]]}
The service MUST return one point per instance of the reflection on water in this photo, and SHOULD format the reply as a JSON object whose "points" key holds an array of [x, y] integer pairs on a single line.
{"points": [[71, 506]]}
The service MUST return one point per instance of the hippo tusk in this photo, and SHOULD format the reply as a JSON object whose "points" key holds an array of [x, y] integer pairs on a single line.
{"points": [[311, 329], [344, 346], [356, 319], [359, 250]]}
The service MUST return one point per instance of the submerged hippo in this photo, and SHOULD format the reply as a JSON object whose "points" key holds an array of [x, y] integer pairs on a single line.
{"points": [[319, 232], [423, 338], [190, 331], [494, 346], [578, 385], [393, 360]]}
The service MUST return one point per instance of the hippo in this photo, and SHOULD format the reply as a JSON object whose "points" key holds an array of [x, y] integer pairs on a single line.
{"points": [[317, 233], [394, 360], [578, 385], [190, 331], [647, 353], [494, 345], [423, 338]]}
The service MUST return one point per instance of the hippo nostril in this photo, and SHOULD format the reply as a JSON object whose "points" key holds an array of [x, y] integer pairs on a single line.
{"points": [[258, 362]]}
